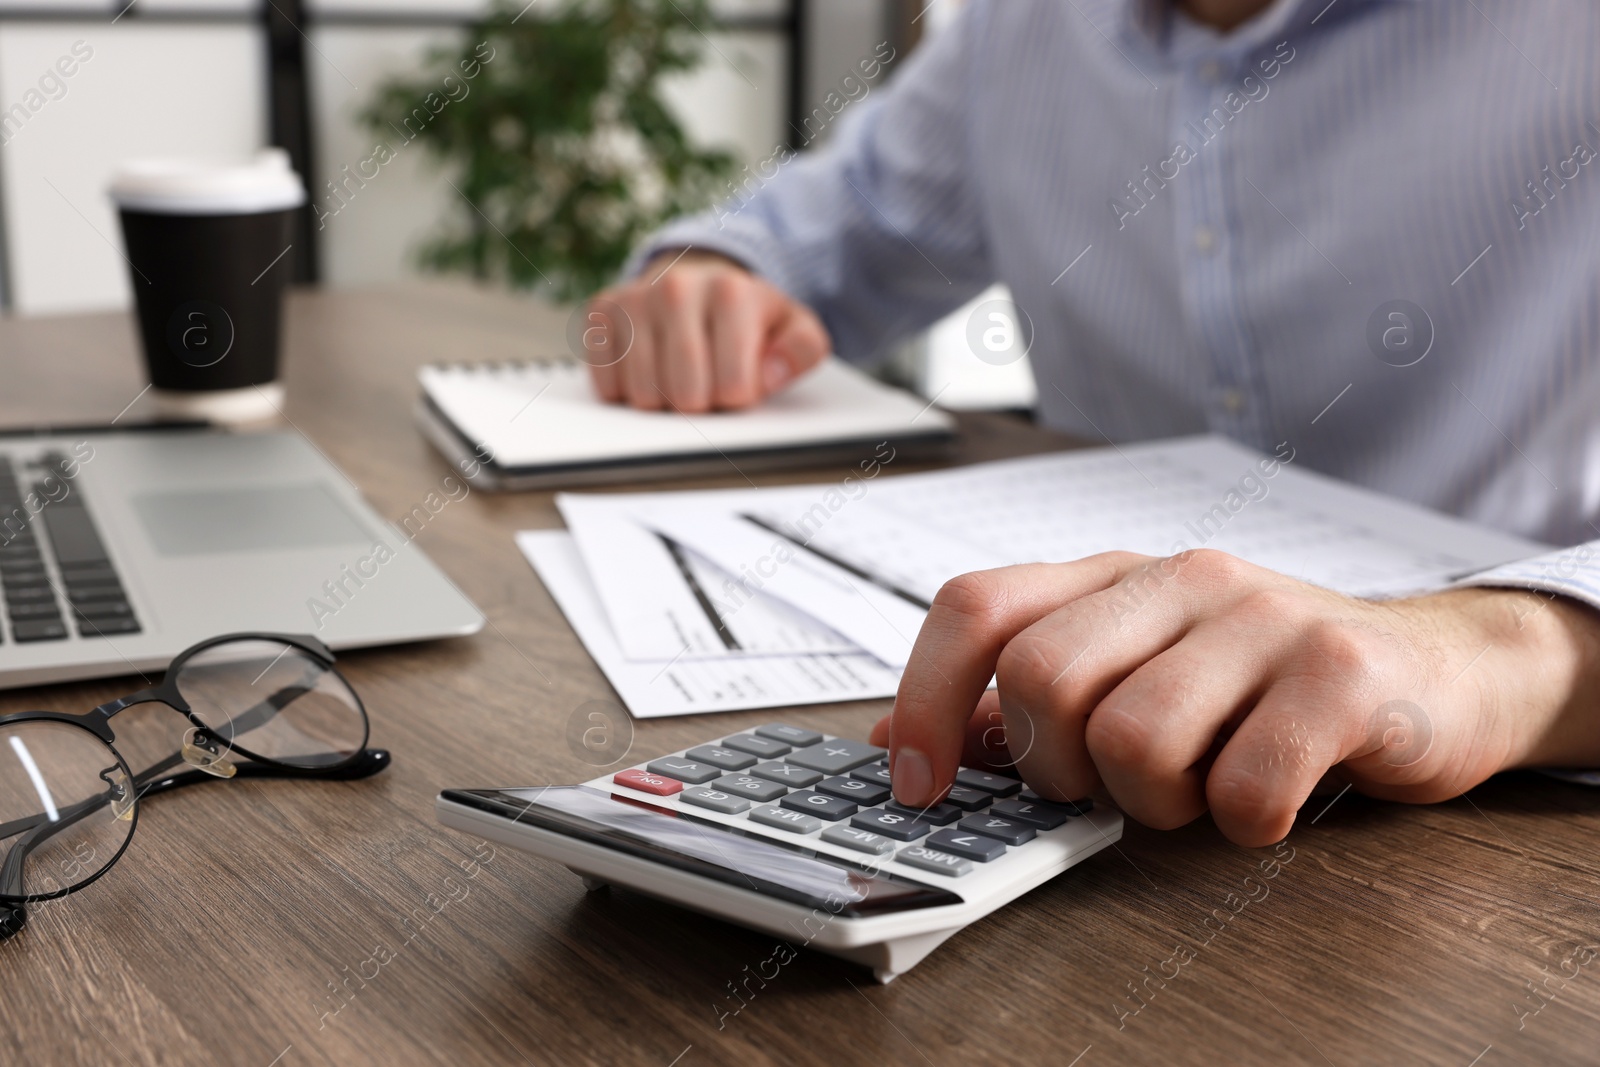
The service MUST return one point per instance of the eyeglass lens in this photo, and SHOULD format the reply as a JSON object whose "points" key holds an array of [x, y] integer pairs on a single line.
{"points": [[66, 808], [272, 701]]}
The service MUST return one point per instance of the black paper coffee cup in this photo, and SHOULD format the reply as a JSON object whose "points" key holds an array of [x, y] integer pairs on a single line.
{"points": [[209, 257]]}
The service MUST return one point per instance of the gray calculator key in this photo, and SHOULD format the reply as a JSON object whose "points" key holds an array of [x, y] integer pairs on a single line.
{"points": [[750, 787], [876, 772], [786, 774], [729, 759], [856, 789], [972, 846], [764, 747], [1010, 831], [819, 804], [932, 860], [939, 814], [836, 756], [968, 799], [1082, 806], [860, 840], [789, 735], [891, 824], [1039, 814], [998, 784], [715, 799], [784, 819], [684, 770]]}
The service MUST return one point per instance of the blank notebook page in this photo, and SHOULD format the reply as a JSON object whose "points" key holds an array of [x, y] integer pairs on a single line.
{"points": [[544, 412]]}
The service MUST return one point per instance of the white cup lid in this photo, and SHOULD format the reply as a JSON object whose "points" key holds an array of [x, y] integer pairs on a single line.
{"points": [[199, 187]]}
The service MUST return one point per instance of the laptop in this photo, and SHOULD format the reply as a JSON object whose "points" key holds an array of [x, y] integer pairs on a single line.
{"points": [[120, 548]]}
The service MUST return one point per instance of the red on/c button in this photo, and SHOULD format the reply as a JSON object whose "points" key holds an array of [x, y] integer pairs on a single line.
{"points": [[646, 782]]}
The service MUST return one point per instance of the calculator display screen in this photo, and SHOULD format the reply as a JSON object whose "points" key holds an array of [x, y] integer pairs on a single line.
{"points": [[709, 849]]}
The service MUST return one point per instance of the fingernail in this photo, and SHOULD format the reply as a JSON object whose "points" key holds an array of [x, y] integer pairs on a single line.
{"points": [[911, 777], [774, 374]]}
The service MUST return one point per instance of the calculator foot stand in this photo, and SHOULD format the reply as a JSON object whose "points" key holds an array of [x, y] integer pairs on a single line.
{"points": [[591, 884], [890, 959]]}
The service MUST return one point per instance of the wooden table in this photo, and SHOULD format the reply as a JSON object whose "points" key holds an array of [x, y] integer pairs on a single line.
{"points": [[290, 923]]}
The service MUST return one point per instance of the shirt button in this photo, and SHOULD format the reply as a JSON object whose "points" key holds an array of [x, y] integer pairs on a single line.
{"points": [[1211, 72], [1205, 240], [1233, 401]]}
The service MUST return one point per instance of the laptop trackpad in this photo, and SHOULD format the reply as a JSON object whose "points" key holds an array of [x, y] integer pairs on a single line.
{"points": [[194, 522]]}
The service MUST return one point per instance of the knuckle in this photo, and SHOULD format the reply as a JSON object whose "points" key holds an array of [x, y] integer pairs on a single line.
{"points": [[1349, 653], [1242, 796], [1028, 666], [975, 596], [675, 290], [728, 290], [1269, 606], [1214, 567], [1117, 737]]}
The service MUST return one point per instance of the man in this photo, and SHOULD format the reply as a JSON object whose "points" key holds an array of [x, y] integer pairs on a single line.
{"points": [[1363, 228]]}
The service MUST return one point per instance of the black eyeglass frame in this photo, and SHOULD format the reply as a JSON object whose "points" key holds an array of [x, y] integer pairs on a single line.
{"points": [[361, 762]]}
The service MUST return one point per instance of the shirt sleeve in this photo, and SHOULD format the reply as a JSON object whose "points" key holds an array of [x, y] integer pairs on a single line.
{"points": [[1571, 572], [879, 232]]}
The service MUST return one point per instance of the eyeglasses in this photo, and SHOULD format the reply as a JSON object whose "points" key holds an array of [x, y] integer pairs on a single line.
{"points": [[69, 802]]}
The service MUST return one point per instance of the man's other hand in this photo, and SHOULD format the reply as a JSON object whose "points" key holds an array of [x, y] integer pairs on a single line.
{"points": [[698, 332]]}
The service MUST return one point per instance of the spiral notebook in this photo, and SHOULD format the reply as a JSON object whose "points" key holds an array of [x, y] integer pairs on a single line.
{"points": [[538, 425]]}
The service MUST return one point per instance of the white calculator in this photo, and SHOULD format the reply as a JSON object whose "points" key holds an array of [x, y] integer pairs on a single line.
{"points": [[793, 832]]}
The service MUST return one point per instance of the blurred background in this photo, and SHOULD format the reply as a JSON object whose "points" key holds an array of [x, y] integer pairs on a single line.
{"points": [[322, 78]]}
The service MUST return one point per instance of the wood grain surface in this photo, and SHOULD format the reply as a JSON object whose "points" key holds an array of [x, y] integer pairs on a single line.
{"points": [[286, 923]]}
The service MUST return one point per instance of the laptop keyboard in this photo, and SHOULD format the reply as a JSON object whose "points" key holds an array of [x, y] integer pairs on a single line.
{"points": [[88, 590]]}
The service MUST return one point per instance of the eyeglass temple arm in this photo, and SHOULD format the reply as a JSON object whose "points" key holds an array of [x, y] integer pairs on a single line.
{"points": [[364, 764], [36, 829], [367, 762]]}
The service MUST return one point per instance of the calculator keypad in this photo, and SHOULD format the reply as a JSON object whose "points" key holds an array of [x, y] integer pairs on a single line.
{"points": [[854, 789], [750, 787], [1010, 831], [658, 784], [891, 824], [933, 860], [819, 804], [1038, 814], [686, 771], [789, 735], [786, 774], [794, 821], [838, 756], [715, 799], [938, 814], [960, 843], [998, 784], [764, 747], [729, 759], [877, 772], [804, 783], [860, 840]]}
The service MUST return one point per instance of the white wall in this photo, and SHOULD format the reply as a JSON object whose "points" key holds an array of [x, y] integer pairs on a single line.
{"points": [[146, 90]]}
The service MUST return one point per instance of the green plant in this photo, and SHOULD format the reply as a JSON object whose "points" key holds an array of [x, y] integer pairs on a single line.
{"points": [[560, 140]]}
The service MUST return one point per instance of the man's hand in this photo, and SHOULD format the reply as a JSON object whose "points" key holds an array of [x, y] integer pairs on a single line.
{"points": [[1203, 682], [698, 332]]}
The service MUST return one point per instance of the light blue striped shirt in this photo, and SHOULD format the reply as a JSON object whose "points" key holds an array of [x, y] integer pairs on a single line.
{"points": [[1212, 232]]}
